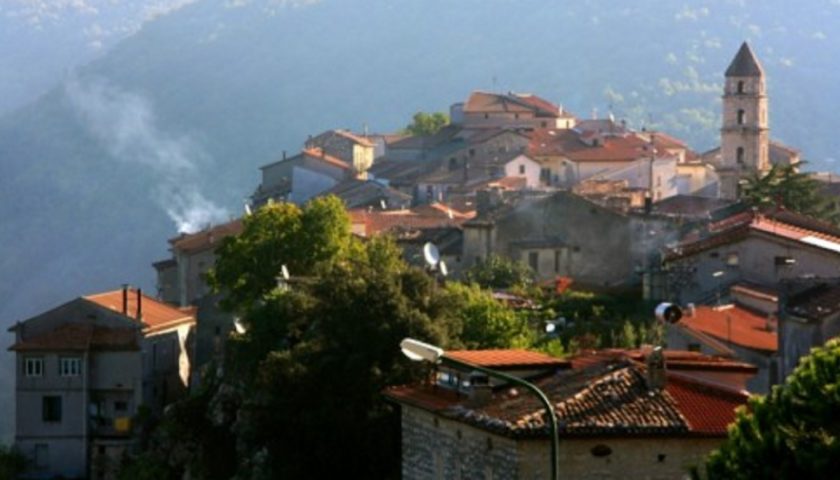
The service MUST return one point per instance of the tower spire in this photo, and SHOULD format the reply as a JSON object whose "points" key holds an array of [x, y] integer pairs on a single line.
{"points": [[745, 64]]}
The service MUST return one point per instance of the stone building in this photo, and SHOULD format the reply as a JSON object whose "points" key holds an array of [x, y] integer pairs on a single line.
{"points": [[511, 110], [617, 417], [809, 315], [79, 382], [746, 149], [562, 234]]}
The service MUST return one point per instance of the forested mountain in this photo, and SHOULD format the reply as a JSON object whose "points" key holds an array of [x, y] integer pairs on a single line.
{"points": [[169, 126]]}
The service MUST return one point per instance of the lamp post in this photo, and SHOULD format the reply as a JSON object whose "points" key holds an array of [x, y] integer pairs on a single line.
{"points": [[420, 351]]}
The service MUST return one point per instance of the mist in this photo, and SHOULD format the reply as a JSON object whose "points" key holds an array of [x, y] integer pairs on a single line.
{"points": [[124, 124]]}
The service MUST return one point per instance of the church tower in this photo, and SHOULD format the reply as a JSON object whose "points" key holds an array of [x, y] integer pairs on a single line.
{"points": [[744, 137]]}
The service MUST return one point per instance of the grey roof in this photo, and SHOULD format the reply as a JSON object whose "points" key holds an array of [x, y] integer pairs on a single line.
{"points": [[745, 64]]}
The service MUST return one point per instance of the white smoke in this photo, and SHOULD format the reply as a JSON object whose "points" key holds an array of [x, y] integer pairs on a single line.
{"points": [[124, 124]]}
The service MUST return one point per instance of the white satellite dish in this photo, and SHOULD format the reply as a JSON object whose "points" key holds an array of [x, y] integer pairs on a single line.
{"points": [[383, 204], [431, 254], [239, 326], [449, 213], [443, 270], [247, 210], [285, 272]]}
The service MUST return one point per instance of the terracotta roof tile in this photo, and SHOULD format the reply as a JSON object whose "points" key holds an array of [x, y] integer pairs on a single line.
{"points": [[507, 358], [80, 337], [734, 324], [155, 314], [318, 154], [207, 238]]}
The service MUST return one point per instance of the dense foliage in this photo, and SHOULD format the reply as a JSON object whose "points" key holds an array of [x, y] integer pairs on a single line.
{"points": [[12, 463], [499, 272], [427, 123], [791, 433], [786, 186]]}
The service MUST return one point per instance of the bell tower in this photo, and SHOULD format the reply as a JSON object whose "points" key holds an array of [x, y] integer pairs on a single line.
{"points": [[744, 137]]}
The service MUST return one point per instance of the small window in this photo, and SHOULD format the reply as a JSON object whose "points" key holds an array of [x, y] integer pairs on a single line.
{"points": [[33, 367], [557, 254], [693, 347], [516, 116], [783, 261], [543, 124], [534, 260], [741, 86], [120, 406], [600, 450], [522, 169], [742, 117], [70, 366], [739, 155], [714, 255], [732, 259], [51, 409], [472, 152], [42, 456], [453, 163], [486, 116]]}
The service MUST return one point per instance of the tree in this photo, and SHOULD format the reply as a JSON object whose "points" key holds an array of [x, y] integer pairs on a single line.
{"points": [[785, 186], [427, 123], [12, 463], [498, 272], [275, 235], [791, 433], [484, 321]]}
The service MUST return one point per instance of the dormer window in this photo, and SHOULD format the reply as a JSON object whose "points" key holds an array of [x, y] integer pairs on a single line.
{"points": [[742, 116]]}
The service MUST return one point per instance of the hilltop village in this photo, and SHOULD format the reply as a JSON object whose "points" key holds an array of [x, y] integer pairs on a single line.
{"points": [[585, 204]]}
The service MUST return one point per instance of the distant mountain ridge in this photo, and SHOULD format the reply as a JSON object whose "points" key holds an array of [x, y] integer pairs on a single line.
{"points": [[190, 106]]}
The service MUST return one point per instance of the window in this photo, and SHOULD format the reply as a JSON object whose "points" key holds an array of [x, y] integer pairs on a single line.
{"points": [[120, 406], [543, 124], [693, 347], [557, 254], [472, 152], [522, 169], [741, 86], [516, 116], [732, 259], [70, 366], [742, 117], [486, 115], [739, 155], [42, 456], [51, 409], [534, 260], [453, 163], [33, 366]]}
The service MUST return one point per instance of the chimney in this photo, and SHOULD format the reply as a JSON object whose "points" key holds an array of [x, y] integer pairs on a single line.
{"points": [[125, 299], [480, 390], [656, 370], [139, 305]]}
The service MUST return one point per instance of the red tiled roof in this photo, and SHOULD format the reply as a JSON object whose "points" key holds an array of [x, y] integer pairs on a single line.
{"points": [[208, 238], [485, 102], [318, 154], [80, 337], [378, 221], [708, 410], [355, 138], [508, 358], [570, 144], [734, 324], [783, 224], [156, 315], [605, 395]]}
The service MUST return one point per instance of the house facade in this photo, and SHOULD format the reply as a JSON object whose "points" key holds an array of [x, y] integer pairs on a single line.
{"points": [[79, 383]]}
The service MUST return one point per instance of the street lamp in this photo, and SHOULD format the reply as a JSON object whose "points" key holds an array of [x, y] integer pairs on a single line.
{"points": [[420, 351]]}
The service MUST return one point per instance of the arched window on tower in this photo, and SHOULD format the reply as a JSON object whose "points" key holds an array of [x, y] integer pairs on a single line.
{"points": [[739, 155], [741, 86], [742, 116]]}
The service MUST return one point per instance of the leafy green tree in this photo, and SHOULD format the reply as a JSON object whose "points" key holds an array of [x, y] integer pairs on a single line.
{"points": [[785, 186], [275, 235], [12, 463], [486, 322], [791, 433], [497, 272], [427, 123]]}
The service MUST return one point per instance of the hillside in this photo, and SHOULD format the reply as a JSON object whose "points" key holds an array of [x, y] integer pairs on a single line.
{"points": [[180, 115]]}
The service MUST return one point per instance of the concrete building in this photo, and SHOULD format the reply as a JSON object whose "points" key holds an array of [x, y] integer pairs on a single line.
{"points": [[79, 383], [763, 249], [618, 417], [355, 150]]}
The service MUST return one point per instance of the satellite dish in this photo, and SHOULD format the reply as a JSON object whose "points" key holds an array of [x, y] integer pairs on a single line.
{"points": [[247, 210], [383, 204], [443, 270], [668, 313], [239, 326], [284, 272], [431, 254]]}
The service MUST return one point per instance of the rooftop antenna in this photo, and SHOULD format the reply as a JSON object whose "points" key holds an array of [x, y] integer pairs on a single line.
{"points": [[431, 254]]}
